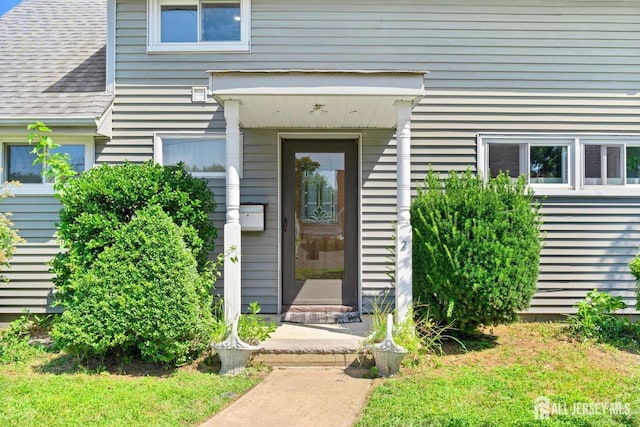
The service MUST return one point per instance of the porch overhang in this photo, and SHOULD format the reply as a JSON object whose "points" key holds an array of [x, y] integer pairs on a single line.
{"points": [[286, 99], [317, 99]]}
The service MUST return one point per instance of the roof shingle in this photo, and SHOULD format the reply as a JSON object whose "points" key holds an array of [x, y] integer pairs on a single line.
{"points": [[52, 60]]}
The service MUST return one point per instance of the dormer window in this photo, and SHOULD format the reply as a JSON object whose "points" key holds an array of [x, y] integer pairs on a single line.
{"points": [[206, 25]]}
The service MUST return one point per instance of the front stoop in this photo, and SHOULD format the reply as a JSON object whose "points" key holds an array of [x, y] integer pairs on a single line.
{"points": [[297, 360], [301, 345]]}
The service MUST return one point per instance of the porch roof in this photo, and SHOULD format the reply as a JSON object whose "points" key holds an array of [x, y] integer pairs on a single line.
{"points": [[317, 98]]}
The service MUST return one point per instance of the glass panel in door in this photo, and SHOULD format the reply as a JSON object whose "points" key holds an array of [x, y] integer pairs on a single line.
{"points": [[319, 216]]}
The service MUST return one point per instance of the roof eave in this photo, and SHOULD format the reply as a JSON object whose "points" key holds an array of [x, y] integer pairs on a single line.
{"points": [[50, 121]]}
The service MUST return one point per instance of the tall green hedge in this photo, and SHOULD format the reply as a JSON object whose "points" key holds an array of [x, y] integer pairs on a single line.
{"points": [[476, 248], [98, 203], [143, 296]]}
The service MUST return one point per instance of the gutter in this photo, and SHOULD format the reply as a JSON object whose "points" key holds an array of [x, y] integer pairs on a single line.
{"points": [[49, 121], [100, 125]]}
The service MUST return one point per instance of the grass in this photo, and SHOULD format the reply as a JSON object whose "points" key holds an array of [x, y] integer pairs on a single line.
{"points": [[496, 382], [51, 390]]}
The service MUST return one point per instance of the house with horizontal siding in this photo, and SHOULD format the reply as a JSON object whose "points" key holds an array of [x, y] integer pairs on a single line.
{"points": [[52, 69], [313, 123]]}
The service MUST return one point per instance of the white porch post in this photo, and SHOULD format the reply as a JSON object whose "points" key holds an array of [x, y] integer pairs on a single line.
{"points": [[403, 241], [232, 235]]}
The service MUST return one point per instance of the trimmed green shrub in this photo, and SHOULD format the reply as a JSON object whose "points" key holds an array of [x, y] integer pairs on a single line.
{"points": [[476, 249], [143, 296], [98, 203]]}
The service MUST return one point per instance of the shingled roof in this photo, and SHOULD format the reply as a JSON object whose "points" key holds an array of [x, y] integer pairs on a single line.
{"points": [[52, 60]]}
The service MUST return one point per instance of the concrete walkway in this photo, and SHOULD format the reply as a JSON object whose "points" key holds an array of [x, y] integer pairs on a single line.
{"points": [[302, 390], [300, 397]]}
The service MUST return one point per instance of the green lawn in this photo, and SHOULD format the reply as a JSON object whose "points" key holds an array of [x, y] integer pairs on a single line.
{"points": [[497, 382], [46, 392]]}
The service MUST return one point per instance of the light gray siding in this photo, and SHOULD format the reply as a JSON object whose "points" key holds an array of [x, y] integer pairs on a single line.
{"points": [[29, 281], [481, 44], [495, 66], [29, 284], [378, 214], [589, 244], [260, 249], [589, 240]]}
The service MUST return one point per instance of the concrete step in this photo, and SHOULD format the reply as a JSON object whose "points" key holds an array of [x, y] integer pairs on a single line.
{"points": [[321, 345], [297, 360]]}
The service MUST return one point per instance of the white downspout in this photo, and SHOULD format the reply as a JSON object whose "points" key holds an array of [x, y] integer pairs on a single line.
{"points": [[232, 235], [404, 272]]}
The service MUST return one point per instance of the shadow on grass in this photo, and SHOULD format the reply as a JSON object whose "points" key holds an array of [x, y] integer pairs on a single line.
{"points": [[466, 343], [65, 364], [208, 364]]}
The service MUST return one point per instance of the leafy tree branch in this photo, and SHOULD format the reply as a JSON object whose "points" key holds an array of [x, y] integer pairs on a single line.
{"points": [[56, 166]]}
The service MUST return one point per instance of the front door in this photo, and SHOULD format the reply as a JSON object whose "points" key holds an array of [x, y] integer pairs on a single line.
{"points": [[320, 222]]}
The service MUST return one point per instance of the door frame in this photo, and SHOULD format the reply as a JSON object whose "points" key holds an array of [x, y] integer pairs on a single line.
{"points": [[319, 135]]}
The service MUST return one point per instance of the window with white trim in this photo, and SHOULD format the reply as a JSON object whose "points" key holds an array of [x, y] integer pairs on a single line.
{"points": [[603, 164], [543, 161], [203, 154], [198, 25], [570, 162], [16, 158]]}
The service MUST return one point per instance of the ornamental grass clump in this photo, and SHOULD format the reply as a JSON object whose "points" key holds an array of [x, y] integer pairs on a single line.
{"points": [[476, 249]]}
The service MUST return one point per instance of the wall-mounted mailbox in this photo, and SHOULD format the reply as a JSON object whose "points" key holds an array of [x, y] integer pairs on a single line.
{"points": [[252, 217]]}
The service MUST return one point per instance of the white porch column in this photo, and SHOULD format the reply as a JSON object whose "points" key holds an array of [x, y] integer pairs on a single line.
{"points": [[403, 242], [232, 234]]}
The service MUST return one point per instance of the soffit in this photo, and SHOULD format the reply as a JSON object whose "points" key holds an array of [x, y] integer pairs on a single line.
{"points": [[317, 99]]}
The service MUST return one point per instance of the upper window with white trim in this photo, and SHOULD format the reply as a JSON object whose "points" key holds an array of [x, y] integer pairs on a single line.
{"points": [[202, 154], [563, 162], [198, 25], [16, 158]]}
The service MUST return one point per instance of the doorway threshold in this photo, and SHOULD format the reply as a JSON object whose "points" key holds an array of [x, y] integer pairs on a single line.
{"points": [[320, 314]]}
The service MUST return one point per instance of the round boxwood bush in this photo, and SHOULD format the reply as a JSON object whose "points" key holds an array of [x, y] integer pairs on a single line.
{"points": [[98, 203], [143, 296], [476, 249]]}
